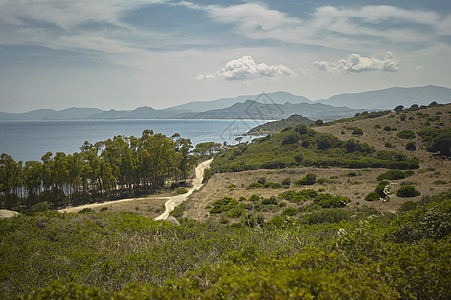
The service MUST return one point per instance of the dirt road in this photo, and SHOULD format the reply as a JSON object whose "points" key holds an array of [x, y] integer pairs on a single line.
{"points": [[179, 199], [171, 202]]}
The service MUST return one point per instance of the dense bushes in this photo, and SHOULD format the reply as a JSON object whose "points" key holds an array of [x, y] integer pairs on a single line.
{"points": [[126, 256], [300, 196], [328, 215], [311, 149], [224, 204], [437, 140]]}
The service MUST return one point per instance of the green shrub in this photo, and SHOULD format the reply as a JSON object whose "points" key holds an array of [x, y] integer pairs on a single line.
{"points": [[86, 210], [373, 196], [207, 175], [255, 185], [309, 179], [289, 211], [328, 201], [224, 204], [261, 180], [429, 221], [270, 201], [178, 211], [389, 145], [286, 182], [252, 220], [406, 134], [328, 215], [357, 131], [407, 206], [392, 175], [38, 207], [411, 146], [273, 185], [407, 191], [299, 157], [290, 139], [181, 191], [254, 198]]}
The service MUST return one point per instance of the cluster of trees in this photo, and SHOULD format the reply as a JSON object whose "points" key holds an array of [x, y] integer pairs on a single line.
{"points": [[118, 167]]}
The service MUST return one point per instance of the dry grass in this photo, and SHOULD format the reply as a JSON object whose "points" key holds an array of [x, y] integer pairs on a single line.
{"points": [[356, 188]]}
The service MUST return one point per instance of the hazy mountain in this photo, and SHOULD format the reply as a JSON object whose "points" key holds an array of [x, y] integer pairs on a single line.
{"points": [[262, 111], [50, 114], [276, 97], [269, 106], [144, 112], [390, 98]]}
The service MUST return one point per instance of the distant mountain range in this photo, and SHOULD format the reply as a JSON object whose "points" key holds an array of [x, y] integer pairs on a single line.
{"points": [[390, 98], [270, 106]]}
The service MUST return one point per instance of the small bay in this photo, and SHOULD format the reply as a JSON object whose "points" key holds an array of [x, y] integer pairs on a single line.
{"points": [[30, 140]]}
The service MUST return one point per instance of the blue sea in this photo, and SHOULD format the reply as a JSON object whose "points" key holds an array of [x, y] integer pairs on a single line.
{"points": [[30, 140]]}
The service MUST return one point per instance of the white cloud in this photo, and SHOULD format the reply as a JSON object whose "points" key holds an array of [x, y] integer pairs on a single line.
{"points": [[245, 68], [345, 28], [356, 63]]}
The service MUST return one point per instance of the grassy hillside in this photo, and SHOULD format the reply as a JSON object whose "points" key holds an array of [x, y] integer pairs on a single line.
{"points": [[339, 171], [51, 255]]}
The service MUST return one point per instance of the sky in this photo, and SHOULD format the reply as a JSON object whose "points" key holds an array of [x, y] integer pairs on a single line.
{"points": [[122, 54]]}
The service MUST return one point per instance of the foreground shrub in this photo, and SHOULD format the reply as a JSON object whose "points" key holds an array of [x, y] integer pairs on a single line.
{"points": [[123, 256], [428, 221], [289, 211], [328, 215]]}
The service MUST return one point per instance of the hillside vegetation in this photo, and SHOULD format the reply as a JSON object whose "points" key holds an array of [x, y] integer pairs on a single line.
{"points": [[96, 255], [277, 126], [356, 208]]}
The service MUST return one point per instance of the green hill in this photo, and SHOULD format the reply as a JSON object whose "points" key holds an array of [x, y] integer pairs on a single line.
{"points": [[277, 126]]}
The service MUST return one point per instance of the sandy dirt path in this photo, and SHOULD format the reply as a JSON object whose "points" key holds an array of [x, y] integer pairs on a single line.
{"points": [[170, 204], [179, 199], [106, 203]]}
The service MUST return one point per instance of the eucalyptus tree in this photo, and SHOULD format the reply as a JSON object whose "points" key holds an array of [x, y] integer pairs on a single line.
{"points": [[10, 181]]}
